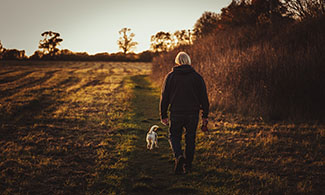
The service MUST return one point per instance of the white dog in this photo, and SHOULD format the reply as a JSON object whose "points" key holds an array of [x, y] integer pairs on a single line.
{"points": [[152, 137]]}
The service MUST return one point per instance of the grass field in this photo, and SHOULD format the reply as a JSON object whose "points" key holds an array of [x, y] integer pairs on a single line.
{"points": [[79, 128]]}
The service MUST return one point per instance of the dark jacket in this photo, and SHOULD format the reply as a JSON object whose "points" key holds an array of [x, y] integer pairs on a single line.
{"points": [[185, 91]]}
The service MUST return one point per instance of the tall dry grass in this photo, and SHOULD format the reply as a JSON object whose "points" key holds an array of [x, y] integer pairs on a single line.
{"points": [[274, 71]]}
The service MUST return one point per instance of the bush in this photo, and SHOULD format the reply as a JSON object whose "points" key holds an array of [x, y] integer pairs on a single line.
{"points": [[275, 71]]}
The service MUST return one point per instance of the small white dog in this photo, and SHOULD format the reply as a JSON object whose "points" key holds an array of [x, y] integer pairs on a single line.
{"points": [[152, 137]]}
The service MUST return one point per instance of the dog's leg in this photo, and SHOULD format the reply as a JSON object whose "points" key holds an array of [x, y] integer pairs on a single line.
{"points": [[156, 143], [148, 143], [151, 146]]}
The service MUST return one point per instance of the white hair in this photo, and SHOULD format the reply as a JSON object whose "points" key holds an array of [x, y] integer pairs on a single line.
{"points": [[183, 58]]}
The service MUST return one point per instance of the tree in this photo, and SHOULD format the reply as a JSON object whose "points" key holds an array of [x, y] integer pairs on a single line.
{"points": [[50, 42], [238, 13], [2, 49], [13, 54], [206, 24], [268, 11], [162, 41], [253, 12], [125, 42], [37, 55], [184, 37]]}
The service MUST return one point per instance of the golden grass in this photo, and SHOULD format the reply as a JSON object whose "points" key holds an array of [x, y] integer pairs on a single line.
{"points": [[256, 157], [91, 140], [56, 118]]}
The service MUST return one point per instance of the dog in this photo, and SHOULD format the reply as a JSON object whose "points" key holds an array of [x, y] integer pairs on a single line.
{"points": [[152, 137]]}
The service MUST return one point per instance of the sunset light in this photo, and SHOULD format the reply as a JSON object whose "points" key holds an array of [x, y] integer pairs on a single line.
{"points": [[93, 26], [162, 97]]}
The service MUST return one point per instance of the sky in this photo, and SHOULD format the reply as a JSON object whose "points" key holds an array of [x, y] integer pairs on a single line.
{"points": [[92, 26]]}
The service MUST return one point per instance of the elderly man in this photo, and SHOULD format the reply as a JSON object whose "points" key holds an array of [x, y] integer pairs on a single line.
{"points": [[184, 93]]}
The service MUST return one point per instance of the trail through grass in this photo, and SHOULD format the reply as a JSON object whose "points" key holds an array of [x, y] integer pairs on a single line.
{"points": [[80, 127], [140, 170]]}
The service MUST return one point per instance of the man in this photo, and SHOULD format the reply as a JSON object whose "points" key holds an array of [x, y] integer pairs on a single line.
{"points": [[184, 93]]}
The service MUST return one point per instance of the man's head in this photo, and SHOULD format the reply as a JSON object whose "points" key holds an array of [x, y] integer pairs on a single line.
{"points": [[183, 58]]}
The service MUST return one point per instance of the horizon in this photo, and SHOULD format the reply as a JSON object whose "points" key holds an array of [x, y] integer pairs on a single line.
{"points": [[93, 27]]}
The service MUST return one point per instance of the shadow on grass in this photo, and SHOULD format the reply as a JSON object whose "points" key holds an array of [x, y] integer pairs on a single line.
{"points": [[138, 170], [131, 173]]}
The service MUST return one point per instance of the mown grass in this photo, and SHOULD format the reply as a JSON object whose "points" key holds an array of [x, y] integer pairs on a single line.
{"points": [[75, 135], [55, 118]]}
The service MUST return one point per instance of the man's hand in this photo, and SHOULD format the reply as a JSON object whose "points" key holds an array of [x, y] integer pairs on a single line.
{"points": [[165, 121]]}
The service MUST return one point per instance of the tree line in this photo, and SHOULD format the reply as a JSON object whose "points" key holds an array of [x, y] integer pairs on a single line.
{"points": [[257, 13], [48, 47], [48, 50]]}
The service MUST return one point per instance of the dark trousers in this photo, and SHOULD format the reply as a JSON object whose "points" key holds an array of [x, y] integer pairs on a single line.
{"points": [[177, 124]]}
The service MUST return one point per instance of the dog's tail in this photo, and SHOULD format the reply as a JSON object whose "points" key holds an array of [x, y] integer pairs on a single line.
{"points": [[153, 128]]}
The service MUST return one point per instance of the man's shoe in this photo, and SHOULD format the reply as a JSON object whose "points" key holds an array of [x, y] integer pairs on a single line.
{"points": [[179, 163]]}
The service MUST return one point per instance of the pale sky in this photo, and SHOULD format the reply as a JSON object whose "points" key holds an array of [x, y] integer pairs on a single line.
{"points": [[92, 25]]}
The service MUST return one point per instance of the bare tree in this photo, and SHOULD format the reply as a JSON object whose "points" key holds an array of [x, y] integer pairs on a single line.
{"points": [[303, 9], [126, 42], [50, 42]]}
